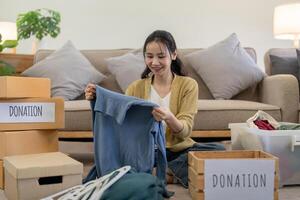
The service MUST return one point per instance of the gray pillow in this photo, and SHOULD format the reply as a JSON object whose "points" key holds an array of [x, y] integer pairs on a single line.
{"points": [[284, 65], [298, 61], [69, 71], [126, 68], [226, 68]]}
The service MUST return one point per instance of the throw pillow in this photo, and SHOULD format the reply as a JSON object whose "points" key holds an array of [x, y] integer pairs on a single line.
{"points": [[298, 62], [69, 71], [126, 68], [284, 65], [226, 68], [298, 59]]}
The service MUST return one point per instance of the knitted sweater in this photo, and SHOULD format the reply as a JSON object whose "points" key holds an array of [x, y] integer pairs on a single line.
{"points": [[183, 104]]}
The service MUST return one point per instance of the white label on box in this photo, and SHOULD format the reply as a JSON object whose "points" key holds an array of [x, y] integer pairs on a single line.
{"points": [[27, 112], [234, 179]]}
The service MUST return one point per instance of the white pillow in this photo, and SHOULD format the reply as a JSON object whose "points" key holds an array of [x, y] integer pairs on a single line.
{"points": [[69, 71], [126, 68], [226, 68]]}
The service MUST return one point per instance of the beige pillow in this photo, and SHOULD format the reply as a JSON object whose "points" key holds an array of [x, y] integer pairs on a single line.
{"points": [[226, 68], [126, 68], [69, 71]]}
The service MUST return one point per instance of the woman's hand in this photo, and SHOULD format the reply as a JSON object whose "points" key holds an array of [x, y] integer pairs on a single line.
{"points": [[90, 91], [160, 113]]}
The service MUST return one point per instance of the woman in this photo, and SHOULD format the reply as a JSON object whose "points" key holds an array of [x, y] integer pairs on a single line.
{"points": [[163, 82]]}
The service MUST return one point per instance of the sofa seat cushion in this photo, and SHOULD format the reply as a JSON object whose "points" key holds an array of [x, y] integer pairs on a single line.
{"points": [[212, 114], [78, 116], [217, 114]]}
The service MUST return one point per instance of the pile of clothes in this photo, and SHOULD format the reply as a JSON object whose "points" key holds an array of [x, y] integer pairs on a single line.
{"points": [[264, 121]]}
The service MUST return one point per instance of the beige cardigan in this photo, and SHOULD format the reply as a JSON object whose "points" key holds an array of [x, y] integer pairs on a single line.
{"points": [[183, 104]]}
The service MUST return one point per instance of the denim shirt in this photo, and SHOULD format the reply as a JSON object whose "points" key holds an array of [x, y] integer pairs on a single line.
{"points": [[125, 133]]}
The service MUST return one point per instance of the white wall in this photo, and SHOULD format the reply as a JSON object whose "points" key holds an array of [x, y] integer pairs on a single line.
{"points": [[103, 24]]}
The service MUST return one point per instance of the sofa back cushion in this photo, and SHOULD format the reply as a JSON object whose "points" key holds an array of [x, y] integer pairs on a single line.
{"points": [[98, 57], [279, 52], [283, 61]]}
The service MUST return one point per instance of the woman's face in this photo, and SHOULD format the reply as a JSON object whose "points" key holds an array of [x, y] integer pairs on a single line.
{"points": [[158, 58]]}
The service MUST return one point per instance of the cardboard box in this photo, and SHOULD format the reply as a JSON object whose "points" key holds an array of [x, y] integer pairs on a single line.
{"points": [[232, 175], [32, 113], [35, 176], [280, 143], [24, 87], [28, 142], [1, 175]]}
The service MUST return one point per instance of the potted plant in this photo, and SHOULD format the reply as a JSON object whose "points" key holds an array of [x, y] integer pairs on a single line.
{"points": [[5, 68], [38, 23]]}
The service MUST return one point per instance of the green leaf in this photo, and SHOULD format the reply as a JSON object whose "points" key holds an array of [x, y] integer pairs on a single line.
{"points": [[6, 69], [39, 23], [10, 43]]}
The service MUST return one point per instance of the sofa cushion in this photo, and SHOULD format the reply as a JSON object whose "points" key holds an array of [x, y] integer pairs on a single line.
{"points": [[280, 52], [126, 68], [298, 61], [284, 65], [212, 114], [282, 61], [68, 70], [226, 59], [217, 114]]}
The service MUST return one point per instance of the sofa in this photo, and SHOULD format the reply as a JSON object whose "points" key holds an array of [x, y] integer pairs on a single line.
{"points": [[283, 61], [275, 95]]}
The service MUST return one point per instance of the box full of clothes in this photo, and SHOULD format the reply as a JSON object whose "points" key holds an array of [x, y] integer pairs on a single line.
{"points": [[262, 132]]}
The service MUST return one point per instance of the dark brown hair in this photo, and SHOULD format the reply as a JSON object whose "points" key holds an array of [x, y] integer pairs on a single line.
{"points": [[167, 39]]}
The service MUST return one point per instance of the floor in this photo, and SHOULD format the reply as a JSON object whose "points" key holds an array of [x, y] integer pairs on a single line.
{"points": [[81, 152]]}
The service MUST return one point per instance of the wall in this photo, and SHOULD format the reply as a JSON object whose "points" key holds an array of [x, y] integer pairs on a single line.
{"points": [[103, 24]]}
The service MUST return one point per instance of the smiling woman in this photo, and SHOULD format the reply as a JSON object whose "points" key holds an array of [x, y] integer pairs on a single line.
{"points": [[164, 83]]}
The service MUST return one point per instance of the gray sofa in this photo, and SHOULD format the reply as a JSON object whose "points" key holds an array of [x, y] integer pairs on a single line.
{"points": [[287, 63], [275, 95]]}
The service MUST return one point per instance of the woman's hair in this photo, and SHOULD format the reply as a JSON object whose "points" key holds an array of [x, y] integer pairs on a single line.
{"points": [[167, 39]]}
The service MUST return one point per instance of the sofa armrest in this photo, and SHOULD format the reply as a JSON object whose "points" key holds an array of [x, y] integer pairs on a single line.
{"points": [[282, 91]]}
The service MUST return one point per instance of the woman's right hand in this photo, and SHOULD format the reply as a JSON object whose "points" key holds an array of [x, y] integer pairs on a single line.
{"points": [[90, 91]]}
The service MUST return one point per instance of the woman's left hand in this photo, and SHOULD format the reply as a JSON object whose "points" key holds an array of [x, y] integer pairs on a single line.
{"points": [[161, 113]]}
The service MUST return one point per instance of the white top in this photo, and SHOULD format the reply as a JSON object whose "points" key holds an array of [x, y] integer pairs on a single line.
{"points": [[162, 102], [155, 98]]}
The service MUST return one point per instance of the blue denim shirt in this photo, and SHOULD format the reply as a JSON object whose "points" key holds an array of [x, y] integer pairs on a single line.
{"points": [[125, 133]]}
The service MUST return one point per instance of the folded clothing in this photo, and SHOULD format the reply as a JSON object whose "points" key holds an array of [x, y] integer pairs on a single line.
{"points": [[261, 115], [263, 124]]}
